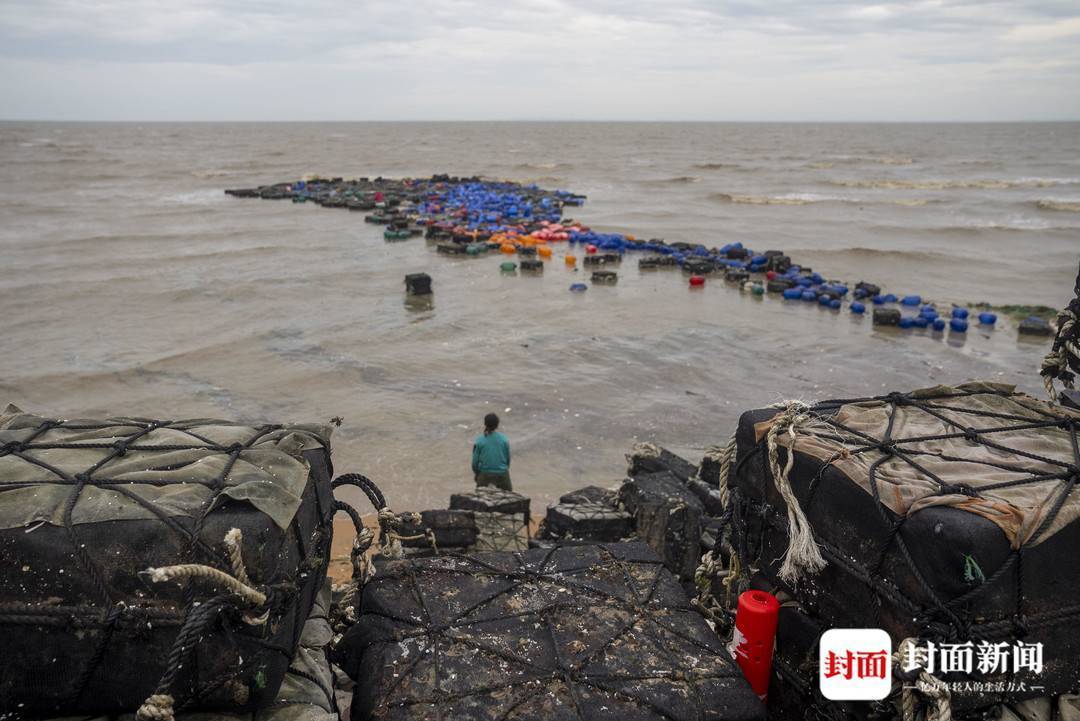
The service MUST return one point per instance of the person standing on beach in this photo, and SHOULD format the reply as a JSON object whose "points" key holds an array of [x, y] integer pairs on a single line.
{"points": [[491, 456]]}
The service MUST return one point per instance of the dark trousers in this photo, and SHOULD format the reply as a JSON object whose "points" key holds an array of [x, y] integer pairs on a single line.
{"points": [[499, 480]]}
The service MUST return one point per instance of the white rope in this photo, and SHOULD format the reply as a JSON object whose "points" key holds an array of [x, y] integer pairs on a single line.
{"points": [[234, 543], [803, 554], [932, 688], [158, 707], [209, 574]]}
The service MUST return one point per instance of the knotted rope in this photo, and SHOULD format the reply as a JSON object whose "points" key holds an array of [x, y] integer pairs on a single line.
{"points": [[932, 688], [391, 523], [803, 554], [239, 592], [725, 456]]}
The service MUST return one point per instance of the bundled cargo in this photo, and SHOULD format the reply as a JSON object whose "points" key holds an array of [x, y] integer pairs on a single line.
{"points": [[233, 521], [651, 458], [307, 692], [574, 632], [587, 520], [668, 517], [502, 517], [947, 515], [440, 529]]}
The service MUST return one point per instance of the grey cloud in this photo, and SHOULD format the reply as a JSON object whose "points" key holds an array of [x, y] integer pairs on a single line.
{"points": [[247, 59]]}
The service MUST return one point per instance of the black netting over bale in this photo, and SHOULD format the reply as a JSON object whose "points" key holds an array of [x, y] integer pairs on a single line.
{"points": [[667, 516], [582, 632], [587, 521], [500, 532], [441, 529], [945, 514], [86, 507], [306, 694], [492, 500]]}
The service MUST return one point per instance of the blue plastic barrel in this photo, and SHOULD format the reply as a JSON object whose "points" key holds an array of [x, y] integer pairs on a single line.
{"points": [[809, 296], [911, 300], [857, 307], [960, 313], [890, 298], [579, 287], [834, 304], [939, 324], [920, 321], [877, 299], [824, 300], [987, 318], [792, 294], [907, 322], [958, 325]]}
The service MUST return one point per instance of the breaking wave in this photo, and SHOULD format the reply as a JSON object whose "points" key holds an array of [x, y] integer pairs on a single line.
{"points": [[544, 166], [761, 199], [989, 184], [808, 198], [1065, 206], [677, 180], [717, 166], [861, 160]]}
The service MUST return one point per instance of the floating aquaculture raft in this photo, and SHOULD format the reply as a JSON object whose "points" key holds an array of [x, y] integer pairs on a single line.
{"points": [[582, 632], [236, 520], [945, 515]]}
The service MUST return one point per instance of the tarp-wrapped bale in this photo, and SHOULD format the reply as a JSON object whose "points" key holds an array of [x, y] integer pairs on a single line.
{"points": [[306, 693], [86, 507], [582, 632], [940, 514]]}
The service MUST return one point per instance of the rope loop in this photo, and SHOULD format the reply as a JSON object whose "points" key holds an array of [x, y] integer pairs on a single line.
{"points": [[12, 447]]}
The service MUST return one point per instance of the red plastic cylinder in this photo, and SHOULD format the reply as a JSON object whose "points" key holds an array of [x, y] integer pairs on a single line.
{"points": [[590, 249], [696, 280], [770, 275], [755, 636]]}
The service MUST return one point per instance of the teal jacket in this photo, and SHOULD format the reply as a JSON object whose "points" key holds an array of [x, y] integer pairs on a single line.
{"points": [[491, 453]]}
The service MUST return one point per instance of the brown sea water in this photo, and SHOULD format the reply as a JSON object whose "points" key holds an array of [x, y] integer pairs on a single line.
{"points": [[130, 284]]}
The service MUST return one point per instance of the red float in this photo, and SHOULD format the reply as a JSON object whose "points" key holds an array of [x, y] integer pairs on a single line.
{"points": [[697, 280], [755, 635]]}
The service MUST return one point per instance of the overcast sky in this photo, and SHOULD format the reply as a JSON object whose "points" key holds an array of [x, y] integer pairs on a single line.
{"points": [[539, 59]]}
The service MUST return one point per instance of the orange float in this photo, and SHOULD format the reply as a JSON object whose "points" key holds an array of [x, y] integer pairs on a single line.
{"points": [[571, 260], [508, 248], [544, 251]]}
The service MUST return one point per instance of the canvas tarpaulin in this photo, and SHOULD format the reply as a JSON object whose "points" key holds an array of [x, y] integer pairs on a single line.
{"points": [[978, 447], [87, 506], [944, 514]]}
